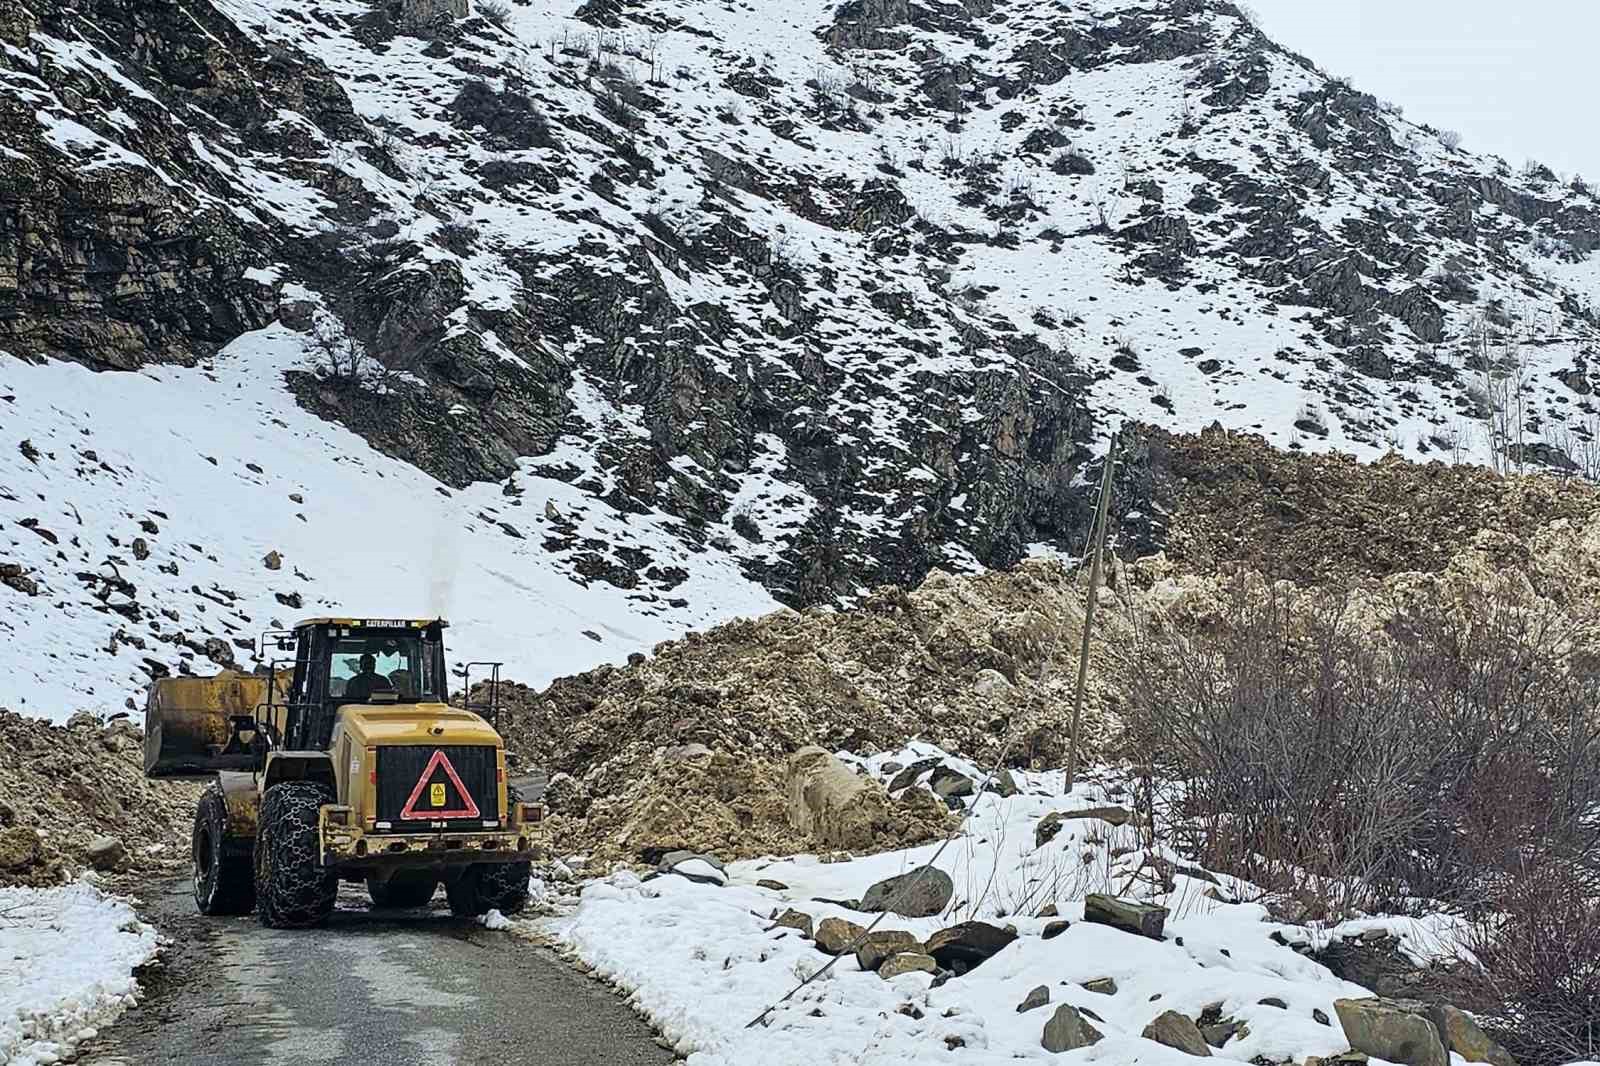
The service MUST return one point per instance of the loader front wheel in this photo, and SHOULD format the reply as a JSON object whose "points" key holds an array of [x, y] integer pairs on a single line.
{"points": [[293, 890], [223, 880], [486, 887], [402, 890]]}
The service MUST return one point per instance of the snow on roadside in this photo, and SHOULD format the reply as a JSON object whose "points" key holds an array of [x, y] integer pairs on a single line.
{"points": [[701, 961], [67, 957]]}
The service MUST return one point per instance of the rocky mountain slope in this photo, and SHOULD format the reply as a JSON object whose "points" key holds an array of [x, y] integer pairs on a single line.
{"points": [[592, 321]]}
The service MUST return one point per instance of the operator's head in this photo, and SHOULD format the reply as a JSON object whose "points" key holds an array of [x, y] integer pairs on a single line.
{"points": [[368, 663]]}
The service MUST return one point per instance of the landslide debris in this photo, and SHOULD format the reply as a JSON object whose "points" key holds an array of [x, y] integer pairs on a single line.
{"points": [[74, 797]]}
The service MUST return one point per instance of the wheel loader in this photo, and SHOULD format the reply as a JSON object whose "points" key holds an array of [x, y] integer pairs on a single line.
{"points": [[346, 762]]}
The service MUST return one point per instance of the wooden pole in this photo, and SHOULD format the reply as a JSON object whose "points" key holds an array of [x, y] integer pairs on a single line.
{"points": [[1097, 541]]}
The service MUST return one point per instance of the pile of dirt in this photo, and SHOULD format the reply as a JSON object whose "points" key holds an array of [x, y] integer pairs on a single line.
{"points": [[1232, 501], [969, 663], [75, 796]]}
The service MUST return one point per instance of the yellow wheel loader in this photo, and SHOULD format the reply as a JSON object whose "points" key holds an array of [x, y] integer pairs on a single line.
{"points": [[346, 763]]}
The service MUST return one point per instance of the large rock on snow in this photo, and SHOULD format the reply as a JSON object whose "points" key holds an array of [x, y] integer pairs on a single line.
{"points": [[880, 944], [906, 962], [961, 947], [1459, 1033], [922, 893], [1178, 1031], [1049, 827], [1067, 1030], [1391, 1030], [831, 803], [835, 935], [1141, 919]]}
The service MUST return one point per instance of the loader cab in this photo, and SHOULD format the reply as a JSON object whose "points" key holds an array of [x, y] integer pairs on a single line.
{"points": [[340, 661]]}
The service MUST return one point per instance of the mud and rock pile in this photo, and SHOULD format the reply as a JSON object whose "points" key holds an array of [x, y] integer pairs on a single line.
{"points": [[75, 797]]}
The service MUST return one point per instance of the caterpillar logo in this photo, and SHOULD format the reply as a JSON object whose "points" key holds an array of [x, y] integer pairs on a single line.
{"points": [[438, 795]]}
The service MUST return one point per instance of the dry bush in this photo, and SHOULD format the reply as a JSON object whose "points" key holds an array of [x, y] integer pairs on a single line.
{"points": [[1538, 985], [1361, 770]]}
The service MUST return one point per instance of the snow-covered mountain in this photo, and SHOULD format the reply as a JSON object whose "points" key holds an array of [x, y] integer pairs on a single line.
{"points": [[585, 323]]}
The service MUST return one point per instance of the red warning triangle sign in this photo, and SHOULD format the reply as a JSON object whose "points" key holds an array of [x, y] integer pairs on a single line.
{"points": [[409, 811]]}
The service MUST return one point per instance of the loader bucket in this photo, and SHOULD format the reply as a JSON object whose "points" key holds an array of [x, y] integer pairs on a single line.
{"points": [[187, 723]]}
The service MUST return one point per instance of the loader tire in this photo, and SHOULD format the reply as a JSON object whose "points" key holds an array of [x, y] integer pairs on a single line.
{"points": [[489, 886], [293, 891], [402, 890], [224, 883]]}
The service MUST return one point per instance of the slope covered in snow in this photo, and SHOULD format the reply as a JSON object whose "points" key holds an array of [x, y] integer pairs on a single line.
{"points": [[768, 302]]}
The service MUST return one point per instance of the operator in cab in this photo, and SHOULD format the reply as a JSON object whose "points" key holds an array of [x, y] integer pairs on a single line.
{"points": [[368, 681]]}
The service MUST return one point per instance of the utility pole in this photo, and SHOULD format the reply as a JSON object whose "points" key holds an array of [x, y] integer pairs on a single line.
{"points": [[1097, 545]]}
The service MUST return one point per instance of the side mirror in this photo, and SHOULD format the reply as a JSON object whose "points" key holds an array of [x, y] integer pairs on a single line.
{"points": [[513, 759]]}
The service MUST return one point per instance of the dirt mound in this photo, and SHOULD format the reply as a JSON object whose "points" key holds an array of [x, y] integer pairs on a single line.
{"points": [[63, 788], [964, 662], [1233, 501]]}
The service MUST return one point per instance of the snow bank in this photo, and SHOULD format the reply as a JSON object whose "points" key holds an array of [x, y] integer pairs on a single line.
{"points": [[67, 957]]}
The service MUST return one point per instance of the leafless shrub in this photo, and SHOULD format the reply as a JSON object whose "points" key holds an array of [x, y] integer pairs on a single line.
{"points": [[458, 237], [337, 356], [1354, 769], [1538, 978], [1450, 139], [496, 12]]}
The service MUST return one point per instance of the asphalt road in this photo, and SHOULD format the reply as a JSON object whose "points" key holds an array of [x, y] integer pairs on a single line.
{"points": [[397, 988]]}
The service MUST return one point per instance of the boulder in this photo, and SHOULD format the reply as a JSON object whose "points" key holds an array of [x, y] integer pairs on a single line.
{"points": [[961, 947], [906, 962], [1049, 826], [106, 853], [1178, 1031], [1141, 919], [793, 919], [1067, 1031], [272, 561], [921, 893], [950, 784], [1459, 1033], [880, 944], [1036, 998], [701, 869], [835, 935], [1104, 986], [830, 802], [1056, 928], [1391, 1029], [908, 776]]}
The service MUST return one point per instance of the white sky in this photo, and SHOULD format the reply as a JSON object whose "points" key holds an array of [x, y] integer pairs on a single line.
{"points": [[1517, 78]]}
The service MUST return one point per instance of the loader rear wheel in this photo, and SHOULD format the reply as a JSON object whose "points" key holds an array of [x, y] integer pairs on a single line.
{"points": [[486, 887], [402, 890], [223, 880], [293, 890]]}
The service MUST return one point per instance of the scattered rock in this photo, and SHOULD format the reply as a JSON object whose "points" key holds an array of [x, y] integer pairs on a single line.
{"points": [[1104, 986], [1050, 825], [1141, 919], [1391, 1030], [835, 935], [1219, 1034], [908, 776], [1067, 1031], [1037, 998], [962, 947], [950, 784], [1056, 928], [1273, 1001], [273, 561], [906, 962], [106, 853], [1178, 1031], [141, 549], [793, 919], [701, 869], [771, 885], [882, 943], [1460, 1034], [921, 893]]}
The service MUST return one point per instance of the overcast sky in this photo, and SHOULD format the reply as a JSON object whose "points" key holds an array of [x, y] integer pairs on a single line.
{"points": [[1517, 78]]}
